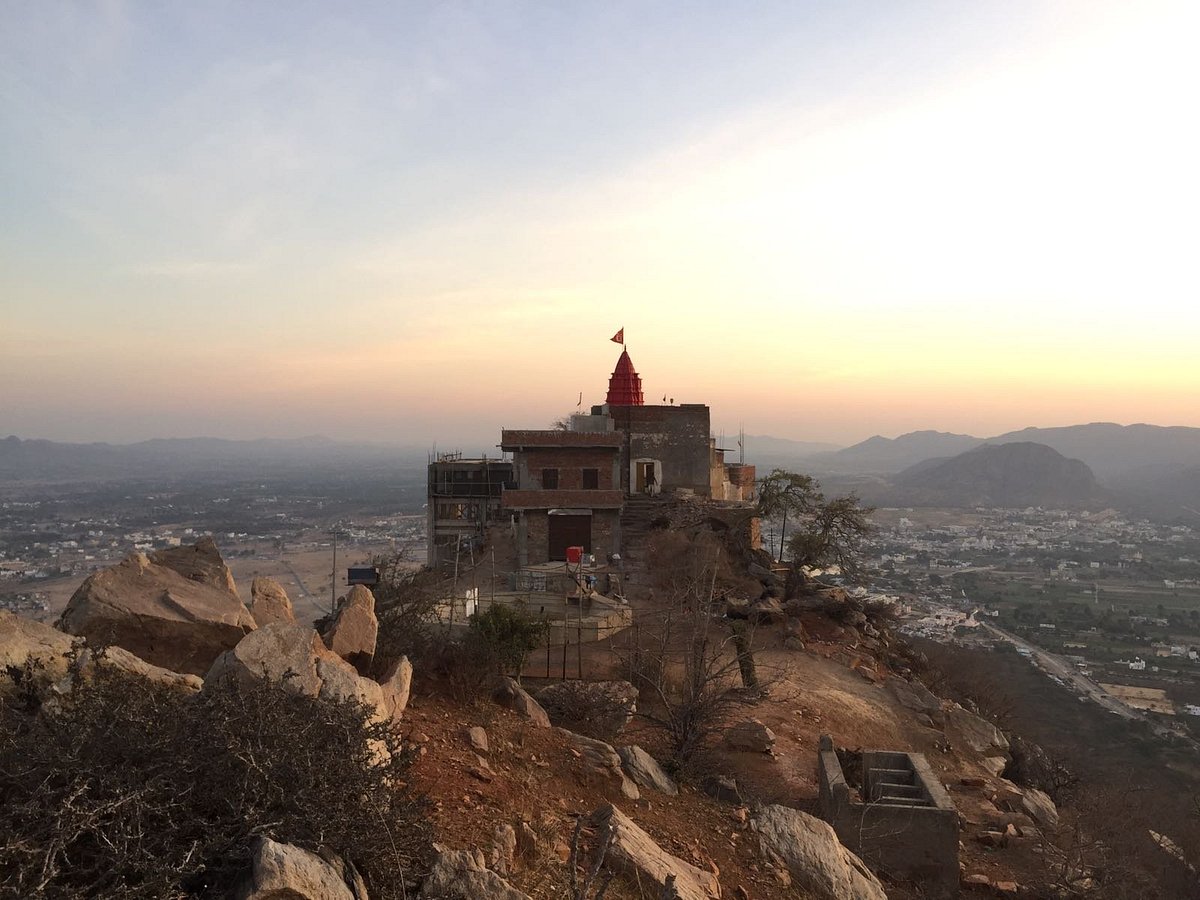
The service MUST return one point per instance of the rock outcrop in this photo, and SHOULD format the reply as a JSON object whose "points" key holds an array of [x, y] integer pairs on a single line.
{"points": [[397, 685], [178, 622], [294, 657], [967, 732], [603, 760], [1038, 806], [916, 697], [463, 875], [599, 709], [269, 602], [512, 696], [283, 872], [200, 562], [354, 629], [25, 642], [645, 770], [813, 856], [634, 852]]}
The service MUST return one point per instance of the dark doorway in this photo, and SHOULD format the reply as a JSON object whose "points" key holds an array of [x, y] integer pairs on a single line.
{"points": [[568, 530]]}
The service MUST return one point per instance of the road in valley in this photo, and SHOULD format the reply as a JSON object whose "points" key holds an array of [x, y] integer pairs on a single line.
{"points": [[1064, 669]]}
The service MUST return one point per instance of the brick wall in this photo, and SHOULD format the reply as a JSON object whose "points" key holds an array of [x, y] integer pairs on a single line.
{"points": [[537, 537], [533, 539], [570, 464]]}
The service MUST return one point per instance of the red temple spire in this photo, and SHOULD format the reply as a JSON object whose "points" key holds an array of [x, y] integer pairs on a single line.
{"points": [[625, 385]]}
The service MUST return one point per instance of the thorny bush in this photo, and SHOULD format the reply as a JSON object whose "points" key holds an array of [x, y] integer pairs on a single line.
{"points": [[130, 789]]}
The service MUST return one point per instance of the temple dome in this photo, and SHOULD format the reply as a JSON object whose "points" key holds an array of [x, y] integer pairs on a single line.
{"points": [[625, 385]]}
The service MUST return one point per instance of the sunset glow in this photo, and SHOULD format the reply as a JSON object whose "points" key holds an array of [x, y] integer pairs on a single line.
{"points": [[426, 225]]}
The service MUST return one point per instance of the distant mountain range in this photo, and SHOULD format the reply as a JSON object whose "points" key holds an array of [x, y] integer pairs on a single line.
{"points": [[1150, 470], [1147, 469], [1110, 450], [41, 460], [768, 452], [883, 456]]}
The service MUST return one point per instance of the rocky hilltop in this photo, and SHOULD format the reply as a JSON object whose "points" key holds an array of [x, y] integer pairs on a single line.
{"points": [[547, 789]]}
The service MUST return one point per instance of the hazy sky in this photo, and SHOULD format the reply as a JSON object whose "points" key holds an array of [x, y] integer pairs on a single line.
{"points": [[424, 221]]}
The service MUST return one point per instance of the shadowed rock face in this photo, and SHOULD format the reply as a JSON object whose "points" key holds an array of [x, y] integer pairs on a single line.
{"points": [[168, 619], [352, 633]]}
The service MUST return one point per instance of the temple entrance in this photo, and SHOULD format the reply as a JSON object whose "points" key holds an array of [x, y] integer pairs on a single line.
{"points": [[646, 477]]}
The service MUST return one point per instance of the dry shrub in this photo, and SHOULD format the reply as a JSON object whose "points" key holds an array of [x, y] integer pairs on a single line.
{"points": [[129, 789], [595, 709]]}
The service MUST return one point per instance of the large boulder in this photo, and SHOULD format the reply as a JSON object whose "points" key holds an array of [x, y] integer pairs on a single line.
{"points": [[283, 872], [916, 697], [178, 622], [354, 629], [463, 875], [635, 853], [280, 653], [269, 602], [26, 643], [603, 760], [294, 657], [512, 696], [1038, 806], [599, 709], [751, 735], [814, 857], [967, 732], [645, 770]]}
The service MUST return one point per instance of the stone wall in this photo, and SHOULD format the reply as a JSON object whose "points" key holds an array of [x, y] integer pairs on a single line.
{"points": [[570, 464], [536, 539], [678, 436], [533, 535]]}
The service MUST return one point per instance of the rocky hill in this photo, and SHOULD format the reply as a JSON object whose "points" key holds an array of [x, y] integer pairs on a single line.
{"points": [[529, 789], [1012, 475]]}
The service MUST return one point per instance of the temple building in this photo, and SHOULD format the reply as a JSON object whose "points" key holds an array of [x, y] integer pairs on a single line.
{"points": [[571, 486]]}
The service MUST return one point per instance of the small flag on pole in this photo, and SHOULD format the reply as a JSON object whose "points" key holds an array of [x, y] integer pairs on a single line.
{"points": [[619, 337]]}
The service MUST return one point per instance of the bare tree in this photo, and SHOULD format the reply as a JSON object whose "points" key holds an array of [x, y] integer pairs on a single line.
{"points": [[693, 667]]}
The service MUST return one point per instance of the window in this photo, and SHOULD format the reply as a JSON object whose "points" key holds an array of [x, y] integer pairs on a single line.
{"points": [[549, 479], [591, 479]]}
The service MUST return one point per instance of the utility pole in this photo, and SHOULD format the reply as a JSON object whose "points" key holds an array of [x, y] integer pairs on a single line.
{"points": [[334, 533]]}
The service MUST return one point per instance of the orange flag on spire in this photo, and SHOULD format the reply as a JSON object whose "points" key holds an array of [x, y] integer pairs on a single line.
{"points": [[619, 337]]}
